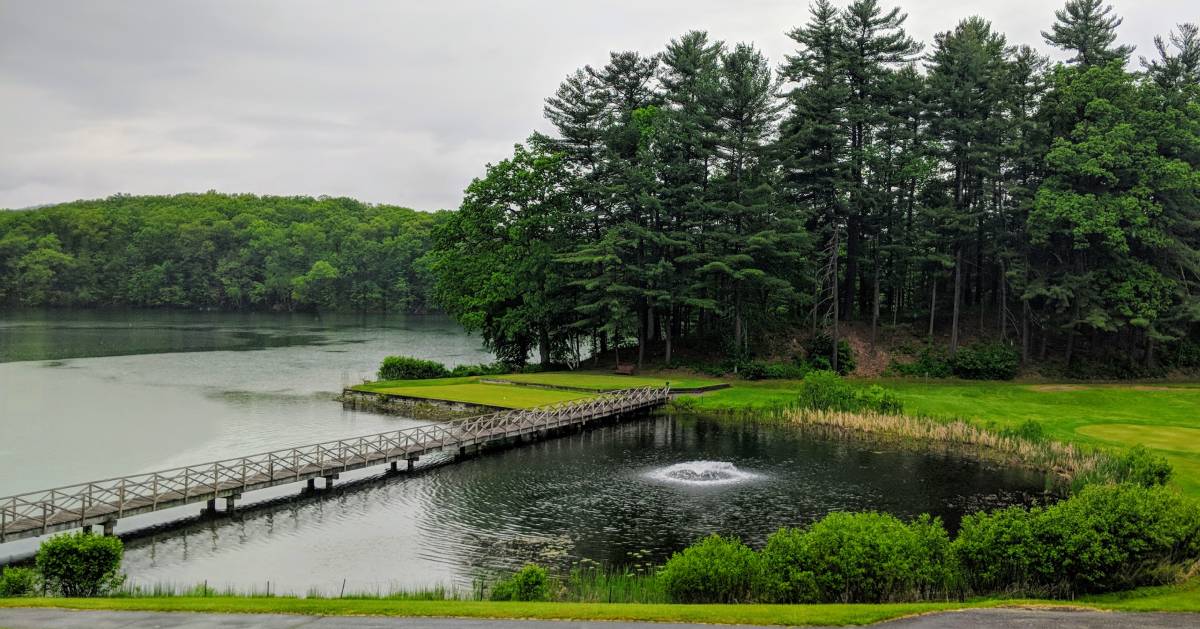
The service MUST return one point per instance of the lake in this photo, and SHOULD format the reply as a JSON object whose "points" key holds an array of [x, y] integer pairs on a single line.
{"points": [[88, 395]]}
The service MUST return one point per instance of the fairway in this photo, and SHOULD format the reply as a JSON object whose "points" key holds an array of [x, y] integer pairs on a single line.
{"points": [[1159, 437], [499, 395], [606, 382]]}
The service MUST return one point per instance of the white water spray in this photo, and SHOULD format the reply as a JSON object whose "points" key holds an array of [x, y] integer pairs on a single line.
{"points": [[702, 473]]}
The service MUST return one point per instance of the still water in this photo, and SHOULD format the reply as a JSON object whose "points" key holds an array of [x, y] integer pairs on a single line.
{"points": [[89, 395]]}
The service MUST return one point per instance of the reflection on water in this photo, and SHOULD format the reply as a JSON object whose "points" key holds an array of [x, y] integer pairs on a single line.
{"points": [[86, 404], [593, 496]]}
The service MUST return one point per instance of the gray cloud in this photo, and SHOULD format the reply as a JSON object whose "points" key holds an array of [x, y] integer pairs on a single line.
{"points": [[388, 101]]}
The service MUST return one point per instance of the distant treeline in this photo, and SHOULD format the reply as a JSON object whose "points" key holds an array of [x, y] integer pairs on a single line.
{"points": [[706, 194], [227, 251]]}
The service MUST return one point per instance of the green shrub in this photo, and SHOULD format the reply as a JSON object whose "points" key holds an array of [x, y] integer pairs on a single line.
{"points": [[1112, 537], [857, 557], [995, 551], [1140, 466], [81, 564], [482, 369], [826, 391], [932, 362], [713, 570], [530, 583], [820, 349], [16, 581], [1028, 430], [409, 368], [787, 371], [752, 370], [990, 361]]}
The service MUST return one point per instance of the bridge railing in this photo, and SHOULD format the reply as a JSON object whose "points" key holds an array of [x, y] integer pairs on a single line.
{"points": [[110, 498]]}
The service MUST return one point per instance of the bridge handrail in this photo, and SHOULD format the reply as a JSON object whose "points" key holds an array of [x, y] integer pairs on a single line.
{"points": [[76, 499]]}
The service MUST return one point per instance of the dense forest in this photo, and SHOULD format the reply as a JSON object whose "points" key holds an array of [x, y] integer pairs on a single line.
{"points": [[218, 251], [704, 196]]}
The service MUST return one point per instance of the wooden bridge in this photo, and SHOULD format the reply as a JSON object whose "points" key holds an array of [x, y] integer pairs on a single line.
{"points": [[103, 502]]}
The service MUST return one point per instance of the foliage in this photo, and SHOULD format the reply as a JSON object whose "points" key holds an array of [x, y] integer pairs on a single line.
{"points": [[211, 250], [820, 349], [826, 391], [857, 557], [1140, 466], [409, 368], [482, 369], [989, 361], [1105, 538], [713, 570], [81, 564], [530, 583], [786, 371], [17, 581], [932, 362]]}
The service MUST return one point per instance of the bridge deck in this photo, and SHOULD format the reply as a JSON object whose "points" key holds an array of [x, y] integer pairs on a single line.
{"points": [[103, 502]]}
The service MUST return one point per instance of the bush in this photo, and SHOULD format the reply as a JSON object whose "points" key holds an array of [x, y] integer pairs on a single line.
{"points": [[1140, 466], [820, 348], [16, 581], [81, 564], [826, 391], [752, 370], [932, 362], [1107, 537], [995, 551], [992, 361], [1028, 430], [858, 557], [482, 369], [530, 583], [1111, 537], [713, 570], [408, 368], [787, 371]]}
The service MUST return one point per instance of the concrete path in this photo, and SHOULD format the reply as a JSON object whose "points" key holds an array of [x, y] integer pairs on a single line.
{"points": [[976, 619]]}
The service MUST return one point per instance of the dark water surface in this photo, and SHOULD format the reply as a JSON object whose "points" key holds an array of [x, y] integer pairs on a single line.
{"points": [[220, 385]]}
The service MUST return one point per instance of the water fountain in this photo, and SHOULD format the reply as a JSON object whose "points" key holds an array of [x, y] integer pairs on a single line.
{"points": [[702, 473]]}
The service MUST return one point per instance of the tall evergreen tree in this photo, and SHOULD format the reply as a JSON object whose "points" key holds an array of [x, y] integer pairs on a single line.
{"points": [[1089, 29]]}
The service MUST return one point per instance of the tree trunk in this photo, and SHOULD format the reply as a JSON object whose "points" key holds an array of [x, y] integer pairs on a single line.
{"points": [[875, 309], [833, 359], [957, 301], [543, 346], [1024, 331], [932, 308], [668, 333], [1003, 323]]}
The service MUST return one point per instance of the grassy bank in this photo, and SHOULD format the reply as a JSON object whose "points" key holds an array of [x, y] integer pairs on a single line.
{"points": [[1185, 598], [1164, 418]]}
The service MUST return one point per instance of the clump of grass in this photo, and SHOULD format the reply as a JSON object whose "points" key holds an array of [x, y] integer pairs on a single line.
{"points": [[1067, 462]]}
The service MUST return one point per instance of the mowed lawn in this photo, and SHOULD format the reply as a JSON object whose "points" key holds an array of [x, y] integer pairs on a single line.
{"points": [[596, 381], [499, 395], [1163, 417]]}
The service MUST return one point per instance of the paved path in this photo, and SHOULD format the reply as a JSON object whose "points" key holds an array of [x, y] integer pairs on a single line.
{"points": [[976, 619]]}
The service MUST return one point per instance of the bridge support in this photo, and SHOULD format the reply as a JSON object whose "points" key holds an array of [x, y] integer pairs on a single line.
{"points": [[311, 486], [329, 481], [210, 507], [109, 525], [231, 503]]}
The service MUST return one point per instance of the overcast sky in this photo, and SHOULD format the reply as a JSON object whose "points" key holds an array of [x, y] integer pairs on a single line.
{"points": [[392, 101]]}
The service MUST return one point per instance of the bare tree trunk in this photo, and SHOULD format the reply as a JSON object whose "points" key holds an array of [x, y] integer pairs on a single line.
{"points": [[1003, 305], [833, 359], [1024, 332], [875, 309], [932, 308], [957, 301], [543, 346], [667, 334]]}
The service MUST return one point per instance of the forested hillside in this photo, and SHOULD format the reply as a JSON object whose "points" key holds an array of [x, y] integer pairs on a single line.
{"points": [[217, 251], [705, 194]]}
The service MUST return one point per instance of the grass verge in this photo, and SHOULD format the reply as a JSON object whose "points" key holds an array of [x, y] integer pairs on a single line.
{"points": [[1182, 598]]}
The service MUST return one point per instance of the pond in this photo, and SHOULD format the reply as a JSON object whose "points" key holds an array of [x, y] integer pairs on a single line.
{"points": [[210, 385]]}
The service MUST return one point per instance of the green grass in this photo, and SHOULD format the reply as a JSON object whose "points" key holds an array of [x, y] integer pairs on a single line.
{"points": [[605, 382], [1161, 417], [500, 395], [1185, 598]]}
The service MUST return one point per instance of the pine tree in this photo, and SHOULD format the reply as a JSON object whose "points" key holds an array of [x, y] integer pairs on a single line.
{"points": [[812, 146], [1088, 28]]}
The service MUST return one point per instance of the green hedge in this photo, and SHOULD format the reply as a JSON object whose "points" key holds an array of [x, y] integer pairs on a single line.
{"points": [[17, 581], [987, 361], [530, 583], [1105, 538]]}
